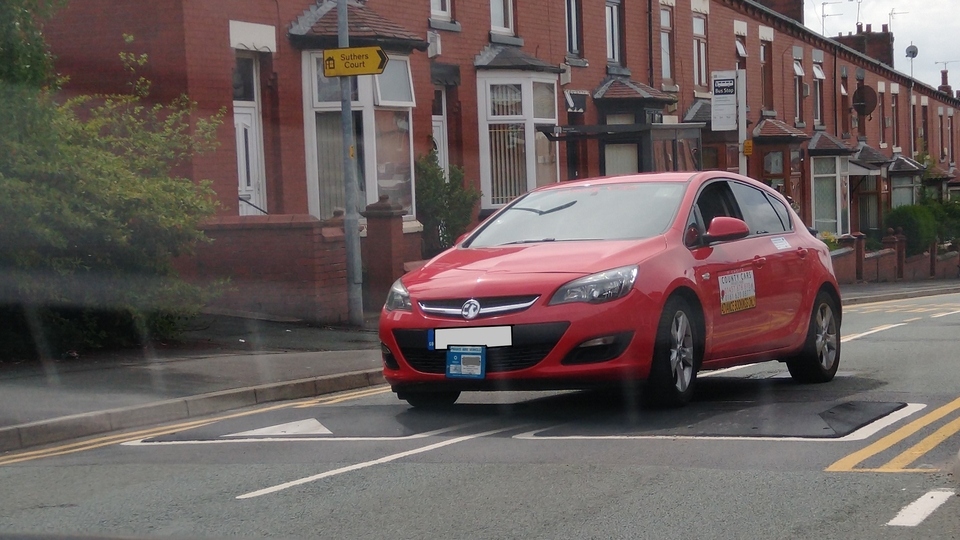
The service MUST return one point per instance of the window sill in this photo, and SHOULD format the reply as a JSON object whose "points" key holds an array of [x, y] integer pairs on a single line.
{"points": [[897, 149], [700, 94], [576, 61], [503, 39], [845, 135], [440, 24], [768, 114], [614, 69], [670, 87], [819, 127], [800, 125], [884, 145]]}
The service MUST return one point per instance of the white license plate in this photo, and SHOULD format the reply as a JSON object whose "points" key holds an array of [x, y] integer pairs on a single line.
{"points": [[488, 336]]}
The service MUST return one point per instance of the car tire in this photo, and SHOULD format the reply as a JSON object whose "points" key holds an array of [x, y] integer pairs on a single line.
{"points": [[430, 400], [676, 356], [819, 359]]}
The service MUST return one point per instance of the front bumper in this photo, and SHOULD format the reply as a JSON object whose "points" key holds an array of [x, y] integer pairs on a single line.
{"points": [[546, 352]]}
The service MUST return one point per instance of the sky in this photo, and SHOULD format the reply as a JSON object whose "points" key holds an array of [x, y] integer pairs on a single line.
{"points": [[932, 25]]}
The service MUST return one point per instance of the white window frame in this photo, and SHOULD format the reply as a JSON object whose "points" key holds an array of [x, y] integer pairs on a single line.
{"points": [[574, 34], [841, 177], [667, 71], [507, 29], [366, 105], [487, 79], [613, 16], [701, 46], [386, 103], [439, 12], [913, 187]]}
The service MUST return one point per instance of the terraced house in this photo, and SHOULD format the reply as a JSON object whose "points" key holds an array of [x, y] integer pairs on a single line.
{"points": [[520, 93]]}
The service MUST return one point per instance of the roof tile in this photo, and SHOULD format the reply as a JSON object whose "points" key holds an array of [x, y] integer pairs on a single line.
{"points": [[771, 127], [621, 88]]}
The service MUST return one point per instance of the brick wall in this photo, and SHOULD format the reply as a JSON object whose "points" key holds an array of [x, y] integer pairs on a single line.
{"points": [[880, 266], [287, 265], [845, 265]]}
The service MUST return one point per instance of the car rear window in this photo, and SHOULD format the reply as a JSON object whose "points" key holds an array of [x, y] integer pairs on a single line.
{"points": [[599, 212]]}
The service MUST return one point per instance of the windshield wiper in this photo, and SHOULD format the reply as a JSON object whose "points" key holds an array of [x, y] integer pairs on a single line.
{"points": [[542, 212], [529, 241]]}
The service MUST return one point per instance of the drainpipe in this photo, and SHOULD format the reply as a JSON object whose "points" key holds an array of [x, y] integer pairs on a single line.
{"points": [[650, 39], [913, 120], [836, 102]]}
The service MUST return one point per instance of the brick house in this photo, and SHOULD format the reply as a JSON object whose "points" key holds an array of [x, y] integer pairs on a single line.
{"points": [[519, 94]]}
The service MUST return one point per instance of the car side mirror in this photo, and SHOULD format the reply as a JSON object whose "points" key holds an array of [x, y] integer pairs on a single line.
{"points": [[725, 228]]}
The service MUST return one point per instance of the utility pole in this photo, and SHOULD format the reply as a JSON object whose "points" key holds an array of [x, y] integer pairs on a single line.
{"points": [[351, 221]]}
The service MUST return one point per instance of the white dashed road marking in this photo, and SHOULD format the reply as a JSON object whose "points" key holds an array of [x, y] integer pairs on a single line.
{"points": [[914, 513]]}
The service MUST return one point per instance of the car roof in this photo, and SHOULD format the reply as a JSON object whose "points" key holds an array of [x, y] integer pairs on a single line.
{"points": [[625, 179]]}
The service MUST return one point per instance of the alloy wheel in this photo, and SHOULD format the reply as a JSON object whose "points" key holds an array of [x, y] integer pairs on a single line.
{"points": [[681, 351]]}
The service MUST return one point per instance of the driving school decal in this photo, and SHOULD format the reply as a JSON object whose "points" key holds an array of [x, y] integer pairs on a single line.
{"points": [[738, 292]]}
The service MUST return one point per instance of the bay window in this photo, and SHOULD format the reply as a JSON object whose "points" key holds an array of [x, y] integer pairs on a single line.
{"points": [[383, 143], [515, 156], [831, 194]]}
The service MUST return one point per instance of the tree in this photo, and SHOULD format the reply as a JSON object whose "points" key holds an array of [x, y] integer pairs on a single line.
{"points": [[444, 206], [92, 212], [24, 58]]}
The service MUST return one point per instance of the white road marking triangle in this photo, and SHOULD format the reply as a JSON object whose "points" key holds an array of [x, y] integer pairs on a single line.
{"points": [[300, 427]]}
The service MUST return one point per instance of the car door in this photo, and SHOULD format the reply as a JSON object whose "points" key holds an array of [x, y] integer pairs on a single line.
{"points": [[732, 276], [785, 259]]}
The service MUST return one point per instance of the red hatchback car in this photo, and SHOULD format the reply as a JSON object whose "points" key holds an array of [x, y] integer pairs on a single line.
{"points": [[616, 281]]}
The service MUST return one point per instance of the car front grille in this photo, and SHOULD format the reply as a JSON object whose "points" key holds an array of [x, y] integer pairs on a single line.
{"points": [[488, 306], [531, 344]]}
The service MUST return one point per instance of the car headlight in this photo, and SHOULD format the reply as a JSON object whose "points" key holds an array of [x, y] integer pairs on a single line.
{"points": [[597, 288], [398, 298]]}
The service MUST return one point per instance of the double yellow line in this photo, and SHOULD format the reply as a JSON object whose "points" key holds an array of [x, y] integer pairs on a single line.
{"points": [[119, 438], [900, 463]]}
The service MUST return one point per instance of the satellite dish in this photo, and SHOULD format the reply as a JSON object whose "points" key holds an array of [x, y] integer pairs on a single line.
{"points": [[864, 100], [912, 51]]}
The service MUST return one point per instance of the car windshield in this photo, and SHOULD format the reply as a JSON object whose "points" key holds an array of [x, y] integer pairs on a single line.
{"points": [[593, 212]]}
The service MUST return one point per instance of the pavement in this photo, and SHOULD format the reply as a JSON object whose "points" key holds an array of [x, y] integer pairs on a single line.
{"points": [[226, 362]]}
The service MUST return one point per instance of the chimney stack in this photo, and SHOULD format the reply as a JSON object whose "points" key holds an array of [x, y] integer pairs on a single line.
{"points": [[884, 28], [878, 46], [945, 83]]}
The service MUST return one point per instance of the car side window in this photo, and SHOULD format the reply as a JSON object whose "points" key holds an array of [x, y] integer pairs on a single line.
{"points": [[716, 200], [758, 212], [781, 209]]}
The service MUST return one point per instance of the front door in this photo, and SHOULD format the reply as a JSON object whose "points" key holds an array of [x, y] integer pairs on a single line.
{"points": [[249, 161], [251, 176], [440, 143]]}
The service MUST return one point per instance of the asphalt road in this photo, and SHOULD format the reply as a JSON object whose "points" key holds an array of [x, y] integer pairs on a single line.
{"points": [[868, 455]]}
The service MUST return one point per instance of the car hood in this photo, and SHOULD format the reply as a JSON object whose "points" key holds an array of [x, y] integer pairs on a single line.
{"points": [[519, 269]]}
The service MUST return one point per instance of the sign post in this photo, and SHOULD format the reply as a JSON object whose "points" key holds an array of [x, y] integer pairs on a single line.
{"points": [[351, 221], [742, 120], [728, 111]]}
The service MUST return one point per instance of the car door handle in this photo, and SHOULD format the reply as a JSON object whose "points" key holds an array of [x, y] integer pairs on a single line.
{"points": [[759, 261]]}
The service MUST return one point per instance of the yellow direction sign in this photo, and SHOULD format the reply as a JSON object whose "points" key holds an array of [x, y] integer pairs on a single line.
{"points": [[354, 61]]}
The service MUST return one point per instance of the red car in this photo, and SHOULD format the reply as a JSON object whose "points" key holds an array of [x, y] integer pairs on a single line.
{"points": [[616, 281]]}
